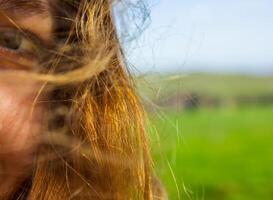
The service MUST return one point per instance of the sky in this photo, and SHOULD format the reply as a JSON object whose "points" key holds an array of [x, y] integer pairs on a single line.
{"points": [[234, 36]]}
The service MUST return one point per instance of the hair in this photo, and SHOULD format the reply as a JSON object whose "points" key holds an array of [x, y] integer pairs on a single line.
{"points": [[94, 142]]}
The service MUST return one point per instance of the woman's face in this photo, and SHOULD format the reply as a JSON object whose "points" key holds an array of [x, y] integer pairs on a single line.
{"points": [[19, 117]]}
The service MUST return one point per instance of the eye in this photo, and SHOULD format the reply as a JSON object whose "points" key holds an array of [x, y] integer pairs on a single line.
{"points": [[14, 40]]}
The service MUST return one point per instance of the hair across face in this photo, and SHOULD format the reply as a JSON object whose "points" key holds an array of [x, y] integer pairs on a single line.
{"points": [[91, 138], [20, 120]]}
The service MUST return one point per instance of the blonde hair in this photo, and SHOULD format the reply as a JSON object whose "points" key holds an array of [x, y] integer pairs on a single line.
{"points": [[95, 144]]}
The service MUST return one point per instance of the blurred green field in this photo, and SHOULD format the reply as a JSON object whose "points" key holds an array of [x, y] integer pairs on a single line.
{"points": [[224, 154], [215, 151], [224, 86]]}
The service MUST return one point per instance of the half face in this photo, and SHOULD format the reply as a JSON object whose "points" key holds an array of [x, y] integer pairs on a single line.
{"points": [[24, 25]]}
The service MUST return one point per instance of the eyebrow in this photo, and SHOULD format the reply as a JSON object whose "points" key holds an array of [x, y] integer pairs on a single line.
{"points": [[23, 7]]}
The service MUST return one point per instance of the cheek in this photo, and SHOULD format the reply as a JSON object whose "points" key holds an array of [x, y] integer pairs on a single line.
{"points": [[19, 126]]}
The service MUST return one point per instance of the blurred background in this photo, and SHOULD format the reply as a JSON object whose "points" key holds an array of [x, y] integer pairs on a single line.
{"points": [[204, 70]]}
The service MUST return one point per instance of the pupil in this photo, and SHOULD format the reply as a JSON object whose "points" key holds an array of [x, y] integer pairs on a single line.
{"points": [[10, 40]]}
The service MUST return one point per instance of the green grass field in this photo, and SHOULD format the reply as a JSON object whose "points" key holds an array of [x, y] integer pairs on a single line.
{"points": [[223, 86], [215, 154]]}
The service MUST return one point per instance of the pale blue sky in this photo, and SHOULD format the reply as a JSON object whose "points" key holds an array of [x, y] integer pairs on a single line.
{"points": [[207, 35]]}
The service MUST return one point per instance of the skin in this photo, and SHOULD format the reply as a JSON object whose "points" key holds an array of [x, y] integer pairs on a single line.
{"points": [[19, 117]]}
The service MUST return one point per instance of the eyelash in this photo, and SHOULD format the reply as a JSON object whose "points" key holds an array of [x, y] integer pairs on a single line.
{"points": [[25, 38]]}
